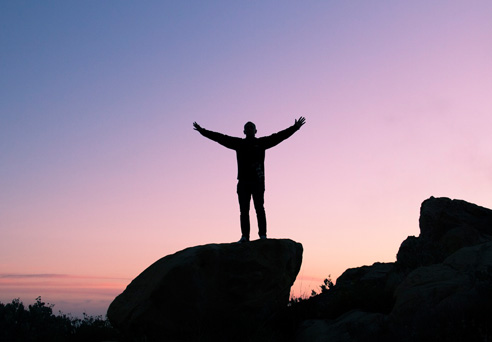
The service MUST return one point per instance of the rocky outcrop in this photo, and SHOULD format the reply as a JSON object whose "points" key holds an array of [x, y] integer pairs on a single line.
{"points": [[449, 301], [445, 226], [210, 292], [439, 289]]}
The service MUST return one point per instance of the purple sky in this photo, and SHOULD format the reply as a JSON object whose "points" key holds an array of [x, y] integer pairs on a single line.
{"points": [[101, 173]]}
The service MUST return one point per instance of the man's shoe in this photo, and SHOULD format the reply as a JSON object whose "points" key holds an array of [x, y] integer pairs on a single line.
{"points": [[243, 239], [263, 237]]}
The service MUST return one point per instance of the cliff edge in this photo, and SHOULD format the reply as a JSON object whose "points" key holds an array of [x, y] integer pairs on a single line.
{"points": [[219, 290]]}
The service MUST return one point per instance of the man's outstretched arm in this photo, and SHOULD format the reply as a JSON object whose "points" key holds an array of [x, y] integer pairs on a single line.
{"points": [[224, 140], [277, 138]]}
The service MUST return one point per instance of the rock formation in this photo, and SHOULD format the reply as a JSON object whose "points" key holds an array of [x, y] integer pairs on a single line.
{"points": [[445, 226], [210, 292], [439, 289]]}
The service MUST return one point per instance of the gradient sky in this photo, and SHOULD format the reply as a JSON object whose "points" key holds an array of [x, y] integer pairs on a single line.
{"points": [[101, 173]]}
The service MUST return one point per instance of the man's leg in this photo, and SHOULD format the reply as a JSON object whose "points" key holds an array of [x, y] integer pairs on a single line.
{"points": [[259, 200], [244, 196]]}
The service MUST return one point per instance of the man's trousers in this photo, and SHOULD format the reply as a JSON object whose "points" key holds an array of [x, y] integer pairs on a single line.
{"points": [[246, 190]]}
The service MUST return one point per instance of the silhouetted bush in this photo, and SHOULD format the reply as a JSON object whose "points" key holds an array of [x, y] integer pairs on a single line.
{"points": [[37, 323], [327, 285]]}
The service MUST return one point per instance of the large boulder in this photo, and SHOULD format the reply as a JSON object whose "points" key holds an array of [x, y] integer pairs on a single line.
{"points": [[439, 216], [446, 225], [215, 290]]}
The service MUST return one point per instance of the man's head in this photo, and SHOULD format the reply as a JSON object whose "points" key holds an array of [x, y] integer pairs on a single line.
{"points": [[250, 129]]}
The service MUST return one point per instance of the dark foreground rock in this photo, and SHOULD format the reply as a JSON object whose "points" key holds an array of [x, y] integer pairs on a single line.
{"points": [[210, 292], [439, 289], [449, 301]]}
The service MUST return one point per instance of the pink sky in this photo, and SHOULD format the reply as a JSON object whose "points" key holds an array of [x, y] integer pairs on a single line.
{"points": [[101, 173]]}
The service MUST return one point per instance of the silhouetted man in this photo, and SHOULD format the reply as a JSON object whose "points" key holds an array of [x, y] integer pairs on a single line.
{"points": [[250, 153]]}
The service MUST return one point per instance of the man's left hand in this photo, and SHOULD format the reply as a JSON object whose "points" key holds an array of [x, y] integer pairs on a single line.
{"points": [[299, 122]]}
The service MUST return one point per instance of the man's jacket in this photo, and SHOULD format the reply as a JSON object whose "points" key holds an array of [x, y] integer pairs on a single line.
{"points": [[250, 152]]}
